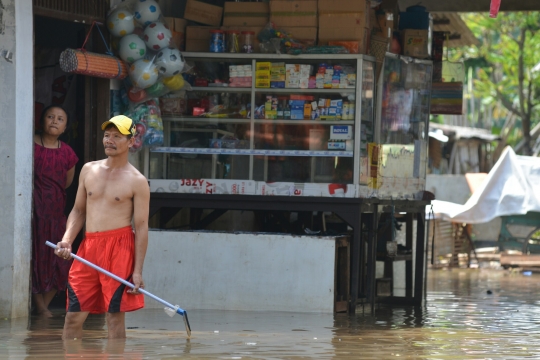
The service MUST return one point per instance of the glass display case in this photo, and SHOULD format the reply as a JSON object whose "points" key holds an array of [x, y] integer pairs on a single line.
{"points": [[269, 124], [399, 158]]}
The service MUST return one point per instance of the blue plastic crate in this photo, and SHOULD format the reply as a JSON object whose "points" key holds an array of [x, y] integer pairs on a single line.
{"points": [[416, 17]]}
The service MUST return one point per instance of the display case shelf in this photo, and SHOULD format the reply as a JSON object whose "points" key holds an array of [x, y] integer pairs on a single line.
{"points": [[220, 89], [197, 120], [346, 91], [305, 122], [257, 152], [204, 120], [312, 58]]}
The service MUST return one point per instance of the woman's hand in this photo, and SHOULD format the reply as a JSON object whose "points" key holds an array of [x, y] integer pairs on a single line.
{"points": [[63, 250]]}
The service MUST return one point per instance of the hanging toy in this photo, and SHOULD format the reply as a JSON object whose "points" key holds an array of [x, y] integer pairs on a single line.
{"points": [[175, 82]]}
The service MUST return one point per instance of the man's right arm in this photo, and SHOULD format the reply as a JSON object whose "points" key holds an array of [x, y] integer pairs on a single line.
{"points": [[76, 217]]}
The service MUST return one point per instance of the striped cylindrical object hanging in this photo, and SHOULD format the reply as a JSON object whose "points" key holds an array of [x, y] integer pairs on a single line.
{"points": [[92, 64]]}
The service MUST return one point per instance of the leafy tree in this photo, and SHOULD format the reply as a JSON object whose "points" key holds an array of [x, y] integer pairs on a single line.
{"points": [[505, 64]]}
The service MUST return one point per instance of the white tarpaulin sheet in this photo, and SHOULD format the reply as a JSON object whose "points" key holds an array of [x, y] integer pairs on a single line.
{"points": [[512, 187]]}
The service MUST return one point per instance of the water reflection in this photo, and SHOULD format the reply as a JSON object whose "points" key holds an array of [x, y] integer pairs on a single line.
{"points": [[474, 314]]}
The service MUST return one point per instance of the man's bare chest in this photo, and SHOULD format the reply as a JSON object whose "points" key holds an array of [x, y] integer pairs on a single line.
{"points": [[108, 188]]}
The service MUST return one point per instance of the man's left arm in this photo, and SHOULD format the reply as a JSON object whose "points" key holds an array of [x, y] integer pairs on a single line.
{"points": [[141, 206]]}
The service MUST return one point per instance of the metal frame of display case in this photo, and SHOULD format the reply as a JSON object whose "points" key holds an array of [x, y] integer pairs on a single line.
{"points": [[358, 213], [362, 263]]}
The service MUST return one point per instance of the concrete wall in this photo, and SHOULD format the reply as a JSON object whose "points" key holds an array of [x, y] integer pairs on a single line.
{"points": [[16, 131], [227, 271], [453, 188]]}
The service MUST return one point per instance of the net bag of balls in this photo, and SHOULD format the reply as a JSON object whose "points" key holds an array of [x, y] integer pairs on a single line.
{"points": [[144, 43], [81, 61]]}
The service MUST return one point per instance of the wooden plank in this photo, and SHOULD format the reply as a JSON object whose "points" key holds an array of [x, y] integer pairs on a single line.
{"points": [[520, 260], [102, 97], [67, 16], [89, 147]]}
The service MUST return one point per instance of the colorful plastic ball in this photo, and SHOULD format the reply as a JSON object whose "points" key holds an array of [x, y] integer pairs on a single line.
{"points": [[157, 36], [170, 62], [146, 11], [137, 143], [174, 83], [120, 23], [136, 96], [141, 129], [157, 89], [131, 48], [143, 73]]}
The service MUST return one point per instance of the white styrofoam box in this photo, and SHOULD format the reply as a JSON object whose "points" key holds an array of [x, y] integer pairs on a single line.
{"points": [[276, 188], [241, 271], [240, 187], [218, 186], [325, 190]]}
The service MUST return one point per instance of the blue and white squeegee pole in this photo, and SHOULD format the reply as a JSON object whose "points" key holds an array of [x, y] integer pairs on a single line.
{"points": [[170, 309]]}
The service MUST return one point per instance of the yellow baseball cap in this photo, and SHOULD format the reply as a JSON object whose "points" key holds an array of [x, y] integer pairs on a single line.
{"points": [[124, 124]]}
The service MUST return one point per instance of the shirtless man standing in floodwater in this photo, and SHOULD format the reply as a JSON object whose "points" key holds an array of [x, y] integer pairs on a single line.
{"points": [[111, 194]]}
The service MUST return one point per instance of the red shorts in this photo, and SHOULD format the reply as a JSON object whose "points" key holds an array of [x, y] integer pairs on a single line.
{"points": [[90, 290]]}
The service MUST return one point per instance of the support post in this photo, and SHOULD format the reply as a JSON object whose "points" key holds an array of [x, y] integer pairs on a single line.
{"points": [[355, 260], [420, 259]]}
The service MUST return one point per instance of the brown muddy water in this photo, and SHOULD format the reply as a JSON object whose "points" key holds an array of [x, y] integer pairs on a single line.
{"points": [[469, 314]]}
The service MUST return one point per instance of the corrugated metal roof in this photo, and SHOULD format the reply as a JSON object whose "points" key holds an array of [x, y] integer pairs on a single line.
{"points": [[462, 132], [454, 26]]}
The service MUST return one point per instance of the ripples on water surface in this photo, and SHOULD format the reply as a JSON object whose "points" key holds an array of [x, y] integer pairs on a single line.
{"points": [[460, 320]]}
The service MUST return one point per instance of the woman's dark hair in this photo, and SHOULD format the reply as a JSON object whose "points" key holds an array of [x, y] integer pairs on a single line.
{"points": [[42, 117]]}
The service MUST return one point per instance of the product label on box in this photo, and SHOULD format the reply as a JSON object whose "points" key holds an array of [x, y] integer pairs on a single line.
{"points": [[341, 132], [336, 145]]}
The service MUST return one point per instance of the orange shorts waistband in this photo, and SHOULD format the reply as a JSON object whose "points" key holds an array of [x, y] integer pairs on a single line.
{"points": [[108, 233]]}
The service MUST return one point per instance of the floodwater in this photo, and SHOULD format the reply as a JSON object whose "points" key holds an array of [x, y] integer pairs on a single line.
{"points": [[469, 314]]}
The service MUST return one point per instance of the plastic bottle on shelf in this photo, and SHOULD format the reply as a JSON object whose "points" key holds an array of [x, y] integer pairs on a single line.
{"points": [[287, 111], [345, 111], [281, 108], [247, 41], [217, 41], [351, 111], [233, 41]]}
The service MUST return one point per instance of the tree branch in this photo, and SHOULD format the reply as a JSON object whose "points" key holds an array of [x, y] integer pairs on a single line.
{"points": [[521, 74], [529, 98], [508, 104]]}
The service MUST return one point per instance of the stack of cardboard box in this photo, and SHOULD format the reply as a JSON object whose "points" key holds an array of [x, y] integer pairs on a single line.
{"points": [[298, 18], [344, 20], [246, 16], [178, 31], [336, 22], [416, 32], [198, 37]]}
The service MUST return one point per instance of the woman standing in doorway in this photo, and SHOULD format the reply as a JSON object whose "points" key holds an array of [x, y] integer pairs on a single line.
{"points": [[54, 169]]}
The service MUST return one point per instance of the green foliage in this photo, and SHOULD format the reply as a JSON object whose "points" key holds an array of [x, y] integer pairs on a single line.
{"points": [[508, 43], [437, 119]]}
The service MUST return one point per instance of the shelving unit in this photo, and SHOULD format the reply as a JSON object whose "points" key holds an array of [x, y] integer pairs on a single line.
{"points": [[268, 139]]}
